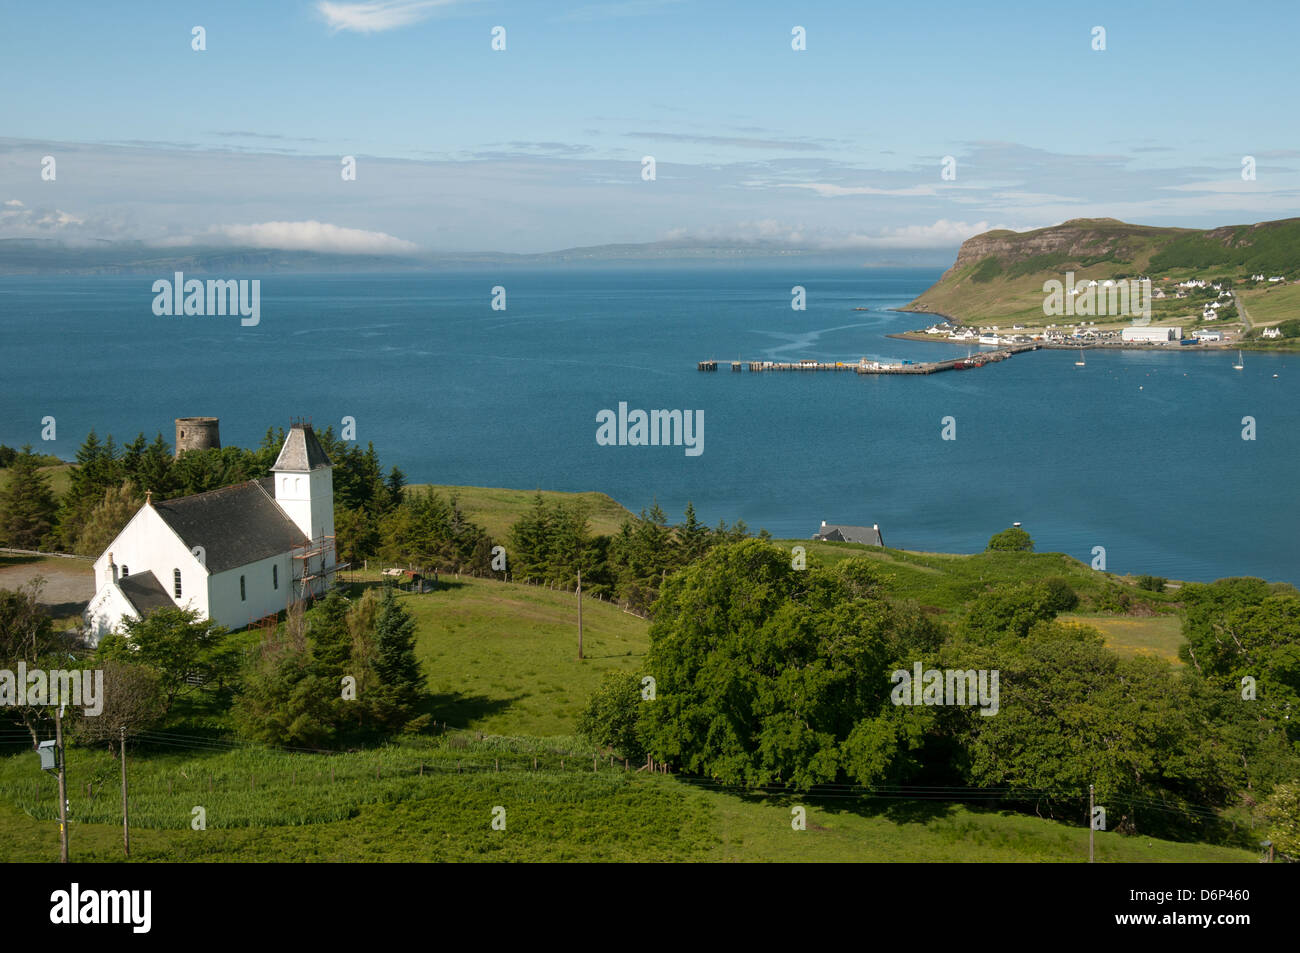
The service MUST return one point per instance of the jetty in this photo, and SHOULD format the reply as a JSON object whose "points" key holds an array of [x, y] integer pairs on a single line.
{"points": [[864, 366]]}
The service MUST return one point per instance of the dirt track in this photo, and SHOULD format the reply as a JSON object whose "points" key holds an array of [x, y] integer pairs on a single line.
{"points": [[69, 583]]}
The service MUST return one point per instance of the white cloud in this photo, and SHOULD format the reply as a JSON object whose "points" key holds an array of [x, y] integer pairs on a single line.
{"points": [[828, 190], [378, 15], [314, 236], [942, 234], [17, 221]]}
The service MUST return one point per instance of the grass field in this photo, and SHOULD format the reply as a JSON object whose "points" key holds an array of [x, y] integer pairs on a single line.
{"points": [[274, 806], [503, 657], [1269, 304], [1158, 636], [501, 660], [59, 476], [497, 509]]}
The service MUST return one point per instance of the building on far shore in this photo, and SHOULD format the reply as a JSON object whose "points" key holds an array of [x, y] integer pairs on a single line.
{"points": [[1147, 334], [837, 533]]}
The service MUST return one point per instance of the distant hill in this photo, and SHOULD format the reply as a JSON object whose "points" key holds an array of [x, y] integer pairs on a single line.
{"points": [[37, 257], [1000, 274]]}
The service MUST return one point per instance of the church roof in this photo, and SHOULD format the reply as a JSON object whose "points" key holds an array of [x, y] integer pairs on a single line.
{"points": [[145, 592], [301, 451], [235, 525]]}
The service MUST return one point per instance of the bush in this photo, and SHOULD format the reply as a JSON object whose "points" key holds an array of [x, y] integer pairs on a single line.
{"points": [[1151, 583], [1012, 540], [1060, 594], [610, 718]]}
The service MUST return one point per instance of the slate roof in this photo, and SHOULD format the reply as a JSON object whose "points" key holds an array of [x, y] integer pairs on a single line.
{"points": [[235, 525], [301, 451], [145, 592], [836, 533]]}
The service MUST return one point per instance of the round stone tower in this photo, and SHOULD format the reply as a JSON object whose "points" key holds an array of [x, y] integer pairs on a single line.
{"points": [[197, 433]]}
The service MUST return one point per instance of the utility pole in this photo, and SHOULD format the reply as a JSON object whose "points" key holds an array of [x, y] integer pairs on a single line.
{"points": [[1092, 826], [579, 614], [63, 787], [126, 828]]}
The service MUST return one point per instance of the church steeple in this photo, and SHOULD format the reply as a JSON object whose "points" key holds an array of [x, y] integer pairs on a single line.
{"points": [[304, 483]]}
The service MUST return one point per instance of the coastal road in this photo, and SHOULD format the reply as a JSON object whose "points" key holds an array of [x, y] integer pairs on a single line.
{"points": [[1241, 310]]}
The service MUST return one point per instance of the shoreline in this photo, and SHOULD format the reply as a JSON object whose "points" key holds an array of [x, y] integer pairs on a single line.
{"points": [[1106, 345]]}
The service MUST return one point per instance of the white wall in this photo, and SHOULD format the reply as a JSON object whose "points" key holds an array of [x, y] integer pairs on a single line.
{"points": [[308, 499], [262, 597], [147, 543], [105, 612]]}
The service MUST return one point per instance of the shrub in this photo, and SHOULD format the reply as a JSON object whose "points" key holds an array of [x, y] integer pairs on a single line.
{"points": [[1013, 539]]}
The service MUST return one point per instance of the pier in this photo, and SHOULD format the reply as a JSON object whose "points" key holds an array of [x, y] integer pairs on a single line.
{"points": [[865, 366]]}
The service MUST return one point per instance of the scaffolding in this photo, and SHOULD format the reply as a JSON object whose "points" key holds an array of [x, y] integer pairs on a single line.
{"points": [[304, 578]]}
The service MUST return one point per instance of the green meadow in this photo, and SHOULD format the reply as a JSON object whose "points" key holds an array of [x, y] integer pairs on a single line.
{"points": [[507, 687]]}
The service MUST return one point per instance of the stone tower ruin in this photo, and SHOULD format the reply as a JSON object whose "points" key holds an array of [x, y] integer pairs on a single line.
{"points": [[197, 433]]}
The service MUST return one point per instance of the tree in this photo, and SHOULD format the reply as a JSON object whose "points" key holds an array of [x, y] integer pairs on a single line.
{"points": [[181, 647], [766, 674], [1283, 811], [284, 702], [27, 635], [109, 518], [132, 699], [399, 684], [610, 718], [1013, 539], [331, 643], [1010, 611], [27, 505]]}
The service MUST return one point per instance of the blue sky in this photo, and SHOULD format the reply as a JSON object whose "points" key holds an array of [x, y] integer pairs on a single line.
{"points": [[538, 147]]}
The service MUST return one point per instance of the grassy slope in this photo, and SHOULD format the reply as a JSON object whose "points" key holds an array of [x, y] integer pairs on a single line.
{"points": [[1010, 291], [496, 509], [1269, 304], [60, 476], [501, 659]]}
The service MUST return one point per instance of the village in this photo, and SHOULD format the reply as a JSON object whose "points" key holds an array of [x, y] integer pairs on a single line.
{"points": [[1216, 300]]}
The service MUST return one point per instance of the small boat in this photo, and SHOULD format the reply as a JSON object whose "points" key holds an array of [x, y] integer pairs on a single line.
{"points": [[1080, 362], [1239, 365]]}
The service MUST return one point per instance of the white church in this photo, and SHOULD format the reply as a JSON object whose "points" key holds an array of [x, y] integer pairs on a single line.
{"points": [[236, 554]]}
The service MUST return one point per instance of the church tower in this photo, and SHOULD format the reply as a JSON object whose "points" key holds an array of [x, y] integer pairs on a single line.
{"points": [[304, 482]]}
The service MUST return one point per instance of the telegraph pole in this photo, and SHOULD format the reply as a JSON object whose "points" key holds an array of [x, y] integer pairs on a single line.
{"points": [[126, 828], [579, 614], [1092, 826], [63, 787]]}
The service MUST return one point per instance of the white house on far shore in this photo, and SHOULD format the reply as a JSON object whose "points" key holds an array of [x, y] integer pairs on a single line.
{"points": [[236, 554]]}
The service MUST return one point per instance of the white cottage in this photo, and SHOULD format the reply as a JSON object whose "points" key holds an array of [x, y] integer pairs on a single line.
{"points": [[236, 554]]}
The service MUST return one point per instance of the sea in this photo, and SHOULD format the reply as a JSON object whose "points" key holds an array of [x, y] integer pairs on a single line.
{"points": [[1140, 453]]}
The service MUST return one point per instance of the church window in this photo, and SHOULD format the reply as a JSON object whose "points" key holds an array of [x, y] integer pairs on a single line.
{"points": [[242, 594], [176, 582], [275, 577], [126, 570]]}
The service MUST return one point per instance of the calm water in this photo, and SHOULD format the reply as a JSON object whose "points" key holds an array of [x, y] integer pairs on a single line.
{"points": [[1138, 452]]}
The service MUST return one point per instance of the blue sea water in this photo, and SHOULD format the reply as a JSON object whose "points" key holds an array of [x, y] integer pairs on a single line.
{"points": [[1139, 452]]}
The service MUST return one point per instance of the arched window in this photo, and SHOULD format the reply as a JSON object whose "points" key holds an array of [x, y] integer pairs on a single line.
{"points": [[242, 595], [176, 583], [275, 577]]}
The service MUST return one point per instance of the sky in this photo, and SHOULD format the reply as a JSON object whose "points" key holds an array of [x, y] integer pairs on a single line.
{"points": [[541, 146]]}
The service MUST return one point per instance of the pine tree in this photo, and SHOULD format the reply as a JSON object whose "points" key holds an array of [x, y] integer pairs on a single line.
{"points": [[331, 641], [393, 701], [27, 505]]}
